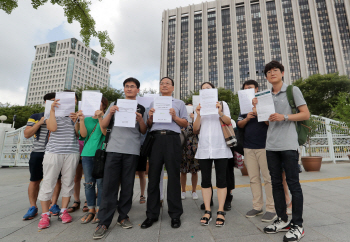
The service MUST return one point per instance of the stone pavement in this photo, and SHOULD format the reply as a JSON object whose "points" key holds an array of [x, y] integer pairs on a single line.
{"points": [[326, 213]]}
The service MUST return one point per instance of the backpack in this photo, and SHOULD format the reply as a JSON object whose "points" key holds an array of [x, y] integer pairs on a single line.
{"points": [[302, 127]]}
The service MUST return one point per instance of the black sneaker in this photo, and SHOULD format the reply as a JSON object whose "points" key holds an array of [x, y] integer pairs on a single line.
{"points": [[294, 234], [277, 226], [227, 205], [100, 232]]}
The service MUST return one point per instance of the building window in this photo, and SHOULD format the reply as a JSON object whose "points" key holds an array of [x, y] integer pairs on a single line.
{"points": [[212, 49], [227, 49], [183, 58], [242, 44], [171, 48], [198, 62]]}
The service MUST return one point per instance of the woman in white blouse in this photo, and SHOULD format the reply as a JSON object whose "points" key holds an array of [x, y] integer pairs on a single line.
{"points": [[212, 147]]}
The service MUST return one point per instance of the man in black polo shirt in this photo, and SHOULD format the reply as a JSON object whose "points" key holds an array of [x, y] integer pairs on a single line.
{"points": [[255, 161]]}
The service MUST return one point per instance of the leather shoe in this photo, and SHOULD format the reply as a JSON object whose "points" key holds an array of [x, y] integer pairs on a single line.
{"points": [[175, 223], [148, 223]]}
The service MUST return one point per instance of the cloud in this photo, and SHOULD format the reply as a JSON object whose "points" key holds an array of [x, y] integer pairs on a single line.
{"points": [[134, 26]]}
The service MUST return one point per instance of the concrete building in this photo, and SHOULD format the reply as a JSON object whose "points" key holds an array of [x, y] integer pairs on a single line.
{"points": [[228, 42], [65, 64]]}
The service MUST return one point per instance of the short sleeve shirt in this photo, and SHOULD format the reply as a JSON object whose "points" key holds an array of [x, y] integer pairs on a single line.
{"points": [[63, 140], [92, 141], [282, 135], [181, 112], [254, 133], [39, 140], [125, 140]]}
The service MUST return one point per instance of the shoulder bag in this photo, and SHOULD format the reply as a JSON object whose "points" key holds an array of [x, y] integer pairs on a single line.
{"points": [[228, 132]]}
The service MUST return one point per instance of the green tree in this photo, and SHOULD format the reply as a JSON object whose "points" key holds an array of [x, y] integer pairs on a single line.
{"points": [[321, 92], [223, 95], [110, 93], [78, 10], [342, 110], [22, 113], [146, 91]]}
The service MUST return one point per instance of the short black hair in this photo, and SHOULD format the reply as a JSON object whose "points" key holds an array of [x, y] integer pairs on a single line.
{"points": [[209, 83], [134, 80], [273, 64], [251, 82], [166, 77], [76, 96], [49, 96]]}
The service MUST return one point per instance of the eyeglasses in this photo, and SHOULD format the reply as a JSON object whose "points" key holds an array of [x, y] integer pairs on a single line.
{"points": [[131, 87], [273, 71], [165, 83]]}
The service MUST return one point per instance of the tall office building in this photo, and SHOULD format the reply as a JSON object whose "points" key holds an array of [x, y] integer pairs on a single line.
{"points": [[228, 42], [65, 64]]}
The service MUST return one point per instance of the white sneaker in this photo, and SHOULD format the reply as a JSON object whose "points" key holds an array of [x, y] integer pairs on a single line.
{"points": [[194, 196], [278, 225], [294, 234], [183, 195]]}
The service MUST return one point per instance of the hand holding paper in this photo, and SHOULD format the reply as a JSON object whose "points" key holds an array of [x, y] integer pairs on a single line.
{"points": [[245, 100], [91, 102], [208, 100], [162, 106], [265, 106], [126, 116], [67, 104]]}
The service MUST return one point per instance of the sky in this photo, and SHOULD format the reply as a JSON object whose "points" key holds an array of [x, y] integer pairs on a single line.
{"points": [[134, 27]]}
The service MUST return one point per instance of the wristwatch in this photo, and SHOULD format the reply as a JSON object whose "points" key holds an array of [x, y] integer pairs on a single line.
{"points": [[285, 117]]}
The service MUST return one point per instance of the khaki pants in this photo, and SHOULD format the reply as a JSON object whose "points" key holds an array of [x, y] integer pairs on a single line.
{"points": [[53, 164], [255, 161]]}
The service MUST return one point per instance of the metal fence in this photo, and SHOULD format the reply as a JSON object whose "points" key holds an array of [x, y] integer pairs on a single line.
{"points": [[331, 143]]}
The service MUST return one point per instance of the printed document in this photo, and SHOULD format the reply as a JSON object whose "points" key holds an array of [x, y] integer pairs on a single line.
{"points": [[195, 103], [47, 109], [90, 102], [67, 104], [126, 116], [162, 106], [265, 106], [189, 111], [208, 99], [245, 100]]}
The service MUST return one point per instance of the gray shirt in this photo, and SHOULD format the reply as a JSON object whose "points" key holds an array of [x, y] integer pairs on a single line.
{"points": [[125, 140], [181, 112], [282, 135]]}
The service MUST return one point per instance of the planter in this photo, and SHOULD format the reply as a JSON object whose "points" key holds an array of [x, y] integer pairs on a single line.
{"points": [[244, 171], [311, 163]]}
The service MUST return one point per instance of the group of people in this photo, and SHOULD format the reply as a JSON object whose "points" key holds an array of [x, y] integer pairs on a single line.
{"points": [[270, 149]]}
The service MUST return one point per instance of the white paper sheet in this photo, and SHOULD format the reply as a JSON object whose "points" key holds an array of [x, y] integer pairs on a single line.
{"points": [[79, 105], [90, 102], [195, 103], [151, 95], [245, 100], [162, 106], [145, 101], [265, 106], [189, 111], [208, 99], [126, 116], [67, 101], [47, 109]]}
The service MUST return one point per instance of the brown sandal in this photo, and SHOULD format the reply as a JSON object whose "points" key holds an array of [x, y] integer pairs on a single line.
{"points": [[85, 208], [142, 199], [73, 208]]}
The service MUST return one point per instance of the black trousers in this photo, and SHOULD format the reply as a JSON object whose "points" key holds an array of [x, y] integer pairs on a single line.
{"points": [[118, 168], [230, 175], [166, 150], [206, 166]]}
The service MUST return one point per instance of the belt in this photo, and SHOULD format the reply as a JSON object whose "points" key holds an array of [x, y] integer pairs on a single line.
{"points": [[164, 132]]}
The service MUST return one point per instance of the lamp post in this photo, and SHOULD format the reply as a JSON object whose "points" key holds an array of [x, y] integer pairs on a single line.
{"points": [[14, 120], [3, 118]]}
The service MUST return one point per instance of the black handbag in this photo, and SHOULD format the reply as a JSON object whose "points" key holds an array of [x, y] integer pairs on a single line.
{"points": [[147, 145], [101, 154], [240, 141]]}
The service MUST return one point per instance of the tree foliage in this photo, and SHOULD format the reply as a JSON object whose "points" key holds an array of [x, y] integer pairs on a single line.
{"points": [[321, 92], [342, 112], [110, 93], [146, 91], [22, 113], [223, 95], [74, 10]]}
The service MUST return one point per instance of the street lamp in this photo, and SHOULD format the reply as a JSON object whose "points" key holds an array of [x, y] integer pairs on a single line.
{"points": [[3, 118]]}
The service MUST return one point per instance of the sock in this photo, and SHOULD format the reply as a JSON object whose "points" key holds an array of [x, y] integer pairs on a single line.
{"points": [[63, 209], [48, 213]]}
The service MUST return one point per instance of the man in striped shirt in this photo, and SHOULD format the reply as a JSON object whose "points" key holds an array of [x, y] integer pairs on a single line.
{"points": [[36, 126], [61, 155]]}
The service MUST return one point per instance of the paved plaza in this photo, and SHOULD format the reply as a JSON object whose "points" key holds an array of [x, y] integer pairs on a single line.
{"points": [[326, 213]]}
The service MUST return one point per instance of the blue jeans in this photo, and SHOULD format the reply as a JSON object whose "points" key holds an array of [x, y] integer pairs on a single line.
{"points": [[286, 160], [90, 183]]}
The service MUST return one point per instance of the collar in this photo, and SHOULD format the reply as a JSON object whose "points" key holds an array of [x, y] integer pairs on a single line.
{"points": [[283, 89]]}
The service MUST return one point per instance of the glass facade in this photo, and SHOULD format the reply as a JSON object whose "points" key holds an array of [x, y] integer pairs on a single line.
{"points": [[292, 45], [94, 58], [327, 40], [198, 60], [212, 49], [74, 43], [171, 48], [258, 46], [227, 49], [309, 42], [52, 51], [184, 58], [242, 45], [69, 74], [273, 31], [343, 26]]}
